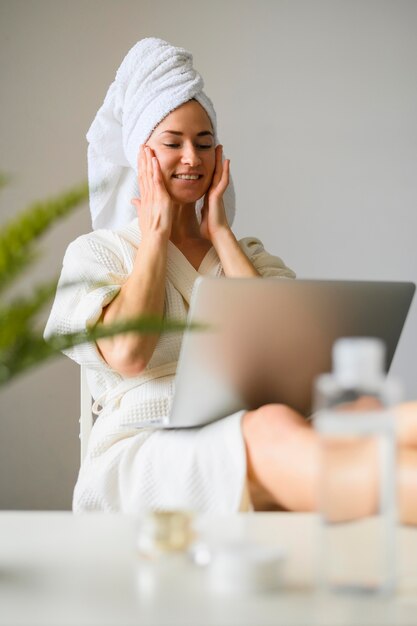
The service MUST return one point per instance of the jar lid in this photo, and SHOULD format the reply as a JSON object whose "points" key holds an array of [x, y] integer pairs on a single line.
{"points": [[246, 567], [165, 531]]}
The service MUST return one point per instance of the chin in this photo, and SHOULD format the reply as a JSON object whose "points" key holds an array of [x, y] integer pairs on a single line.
{"points": [[189, 198]]}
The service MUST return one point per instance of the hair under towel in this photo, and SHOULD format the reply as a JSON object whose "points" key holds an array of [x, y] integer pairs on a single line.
{"points": [[153, 79]]}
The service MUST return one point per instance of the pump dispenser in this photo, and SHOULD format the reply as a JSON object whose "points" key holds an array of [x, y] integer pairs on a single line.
{"points": [[358, 370], [358, 362]]}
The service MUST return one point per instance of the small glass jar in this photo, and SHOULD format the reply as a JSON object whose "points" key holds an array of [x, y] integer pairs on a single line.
{"points": [[165, 532]]}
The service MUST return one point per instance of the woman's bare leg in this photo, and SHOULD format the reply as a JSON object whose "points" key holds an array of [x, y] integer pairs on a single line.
{"points": [[283, 463], [407, 485], [406, 414], [282, 458]]}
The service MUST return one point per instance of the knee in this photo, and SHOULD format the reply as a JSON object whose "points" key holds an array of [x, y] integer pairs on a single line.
{"points": [[279, 447], [273, 422]]}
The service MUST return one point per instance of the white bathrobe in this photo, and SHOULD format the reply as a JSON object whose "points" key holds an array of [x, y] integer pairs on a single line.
{"points": [[131, 469]]}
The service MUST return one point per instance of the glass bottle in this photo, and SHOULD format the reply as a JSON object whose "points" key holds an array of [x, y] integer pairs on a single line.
{"points": [[354, 416]]}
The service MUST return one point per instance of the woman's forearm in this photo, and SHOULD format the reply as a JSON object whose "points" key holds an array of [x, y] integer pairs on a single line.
{"points": [[142, 294], [234, 261]]}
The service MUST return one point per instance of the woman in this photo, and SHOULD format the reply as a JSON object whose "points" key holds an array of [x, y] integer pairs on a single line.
{"points": [[164, 126]]}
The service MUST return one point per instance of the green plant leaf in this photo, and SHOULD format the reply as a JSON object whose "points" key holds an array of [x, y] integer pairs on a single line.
{"points": [[31, 349], [4, 179], [22, 345], [17, 318], [19, 234]]}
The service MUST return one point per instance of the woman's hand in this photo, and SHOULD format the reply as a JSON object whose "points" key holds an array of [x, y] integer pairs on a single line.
{"points": [[155, 206], [213, 215]]}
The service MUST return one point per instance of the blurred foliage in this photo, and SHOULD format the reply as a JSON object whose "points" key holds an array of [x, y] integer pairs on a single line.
{"points": [[21, 341]]}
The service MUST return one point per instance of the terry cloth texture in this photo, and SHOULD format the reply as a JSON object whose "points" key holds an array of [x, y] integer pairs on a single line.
{"points": [[127, 468], [153, 79]]}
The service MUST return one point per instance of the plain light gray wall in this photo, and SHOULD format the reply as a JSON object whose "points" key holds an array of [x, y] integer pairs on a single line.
{"points": [[317, 105]]}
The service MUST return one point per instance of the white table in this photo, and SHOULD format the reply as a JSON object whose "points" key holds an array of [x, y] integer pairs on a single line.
{"points": [[59, 569]]}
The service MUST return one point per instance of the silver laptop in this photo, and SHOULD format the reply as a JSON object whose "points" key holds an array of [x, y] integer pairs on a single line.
{"points": [[266, 340]]}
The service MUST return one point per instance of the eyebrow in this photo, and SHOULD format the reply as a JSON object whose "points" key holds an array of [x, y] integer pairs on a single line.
{"points": [[203, 133]]}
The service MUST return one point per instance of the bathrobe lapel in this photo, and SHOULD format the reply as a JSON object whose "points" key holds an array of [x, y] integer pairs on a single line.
{"points": [[180, 272], [183, 275]]}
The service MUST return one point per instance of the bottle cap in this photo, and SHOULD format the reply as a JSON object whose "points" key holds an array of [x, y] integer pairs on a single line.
{"points": [[358, 360]]}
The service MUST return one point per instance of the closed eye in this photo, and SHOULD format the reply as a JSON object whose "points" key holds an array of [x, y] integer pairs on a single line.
{"points": [[177, 145]]}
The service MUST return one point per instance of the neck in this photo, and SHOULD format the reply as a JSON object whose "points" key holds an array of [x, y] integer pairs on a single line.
{"points": [[185, 225]]}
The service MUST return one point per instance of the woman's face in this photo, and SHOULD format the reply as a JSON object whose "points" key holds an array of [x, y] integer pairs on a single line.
{"points": [[184, 145]]}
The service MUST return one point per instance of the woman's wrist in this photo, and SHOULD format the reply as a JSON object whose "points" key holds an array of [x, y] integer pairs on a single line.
{"points": [[234, 261], [155, 239], [223, 237]]}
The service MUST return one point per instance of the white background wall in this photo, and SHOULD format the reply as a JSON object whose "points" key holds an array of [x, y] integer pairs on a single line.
{"points": [[317, 105]]}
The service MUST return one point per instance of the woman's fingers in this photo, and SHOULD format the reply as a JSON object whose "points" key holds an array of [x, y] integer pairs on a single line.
{"points": [[218, 166], [143, 183], [137, 204], [224, 181], [149, 170], [157, 175], [221, 172], [155, 204], [145, 170], [149, 167], [156, 172]]}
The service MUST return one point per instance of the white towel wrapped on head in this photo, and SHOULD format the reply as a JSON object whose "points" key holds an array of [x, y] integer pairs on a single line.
{"points": [[153, 79]]}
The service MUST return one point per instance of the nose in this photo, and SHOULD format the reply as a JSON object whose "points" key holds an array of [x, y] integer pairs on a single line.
{"points": [[190, 155]]}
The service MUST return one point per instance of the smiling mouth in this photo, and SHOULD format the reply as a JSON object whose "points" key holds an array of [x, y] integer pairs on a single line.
{"points": [[188, 176]]}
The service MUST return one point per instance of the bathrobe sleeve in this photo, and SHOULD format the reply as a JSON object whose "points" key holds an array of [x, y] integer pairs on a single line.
{"points": [[127, 469], [91, 277], [267, 264]]}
